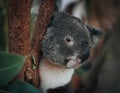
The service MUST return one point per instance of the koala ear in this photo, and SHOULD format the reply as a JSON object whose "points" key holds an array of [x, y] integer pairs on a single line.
{"points": [[95, 34], [95, 31]]}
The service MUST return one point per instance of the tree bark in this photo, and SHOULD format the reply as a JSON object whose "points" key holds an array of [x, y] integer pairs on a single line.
{"points": [[19, 35], [19, 28], [44, 15]]}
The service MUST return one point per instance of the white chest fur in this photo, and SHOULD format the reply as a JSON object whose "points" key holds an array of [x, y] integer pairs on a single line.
{"points": [[53, 76]]}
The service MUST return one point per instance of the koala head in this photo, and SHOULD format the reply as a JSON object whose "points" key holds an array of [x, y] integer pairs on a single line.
{"points": [[67, 40]]}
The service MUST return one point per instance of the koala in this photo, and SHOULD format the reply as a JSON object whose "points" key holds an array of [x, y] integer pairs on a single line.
{"points": [[65, 47]]}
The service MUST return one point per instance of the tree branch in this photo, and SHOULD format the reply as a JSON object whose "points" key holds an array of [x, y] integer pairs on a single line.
{"points": [[44, 15]]}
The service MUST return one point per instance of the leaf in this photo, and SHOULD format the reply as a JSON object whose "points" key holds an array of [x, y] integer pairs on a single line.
{"points": [[22, 87], [79, 71], [3, 26], [2, 91], [34, 62], [10, 65]]}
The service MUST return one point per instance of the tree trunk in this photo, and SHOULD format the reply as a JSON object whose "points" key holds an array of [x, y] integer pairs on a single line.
{"points": [[44, 15], [19, 31], [19, 35]]}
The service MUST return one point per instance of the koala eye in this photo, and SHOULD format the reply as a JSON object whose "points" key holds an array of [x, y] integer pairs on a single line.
{"points": [[69, 40]]}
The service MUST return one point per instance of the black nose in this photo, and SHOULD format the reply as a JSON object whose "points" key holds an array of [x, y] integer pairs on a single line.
{"points": [[85, 53]]}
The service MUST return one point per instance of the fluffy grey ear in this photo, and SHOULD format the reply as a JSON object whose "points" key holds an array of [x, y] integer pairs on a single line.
{"points": [[95, 31], [95, 34]]}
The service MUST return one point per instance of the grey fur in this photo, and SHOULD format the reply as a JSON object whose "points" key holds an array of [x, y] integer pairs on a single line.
{"points": [[54, 46]]}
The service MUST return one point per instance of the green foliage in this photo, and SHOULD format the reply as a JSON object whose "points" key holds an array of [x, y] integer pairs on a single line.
{"points": [[79, 71], [10, 65], [19, 87], [3, 91], [3, 26], [22, 87]]}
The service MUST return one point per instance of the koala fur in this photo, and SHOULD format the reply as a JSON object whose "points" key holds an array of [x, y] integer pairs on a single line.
{"points": [[65, 46]]}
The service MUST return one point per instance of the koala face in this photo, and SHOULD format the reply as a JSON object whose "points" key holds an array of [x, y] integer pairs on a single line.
{"points": [[66, 41]]}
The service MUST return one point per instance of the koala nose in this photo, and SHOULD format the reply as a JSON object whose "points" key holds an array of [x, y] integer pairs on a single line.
{"points": [[84, 54]]}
